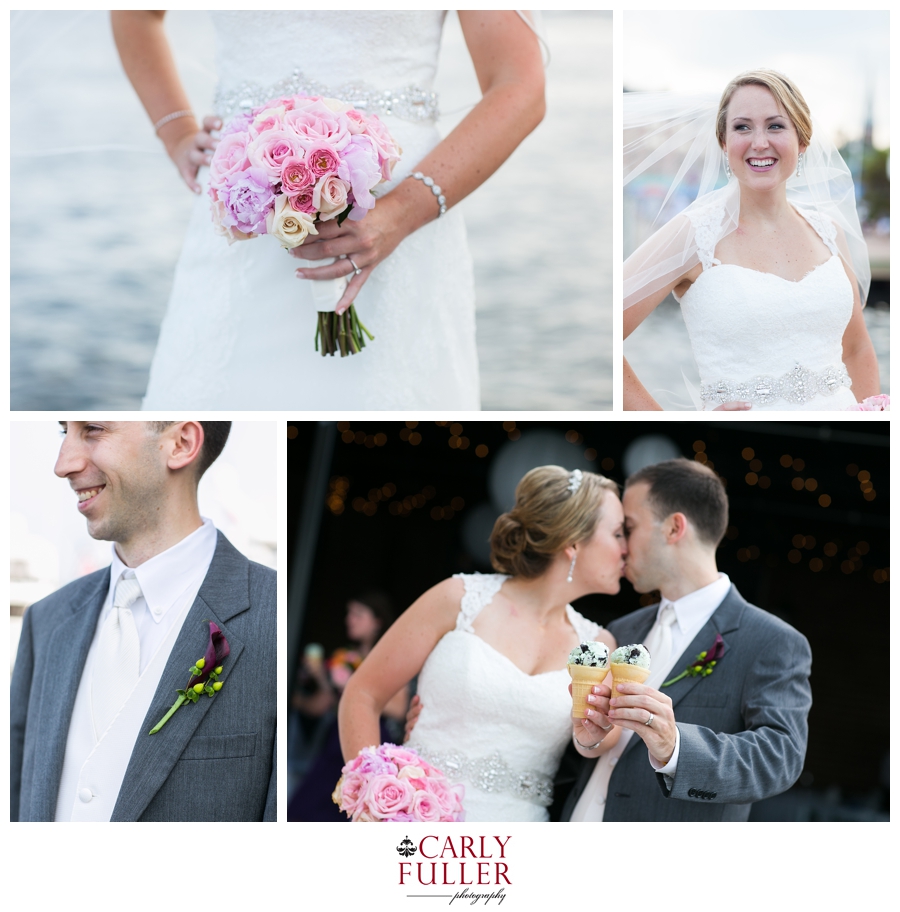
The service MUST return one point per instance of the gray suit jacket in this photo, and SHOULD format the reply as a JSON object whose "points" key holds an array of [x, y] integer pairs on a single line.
{"points": [[214, 759], [743, 728]]}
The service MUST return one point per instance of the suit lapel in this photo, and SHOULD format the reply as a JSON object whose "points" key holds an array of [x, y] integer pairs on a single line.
{"points": [[70, 643], [223, 595], [725, 619]]}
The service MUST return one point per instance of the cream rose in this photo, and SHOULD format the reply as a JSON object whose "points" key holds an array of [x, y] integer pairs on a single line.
{"points": [[330, 197], [339, 107], [289, 227]]}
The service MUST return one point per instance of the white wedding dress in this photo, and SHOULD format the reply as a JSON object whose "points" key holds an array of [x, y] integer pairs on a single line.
{"points": [[489, 725], [239, 329], [764, 339]]}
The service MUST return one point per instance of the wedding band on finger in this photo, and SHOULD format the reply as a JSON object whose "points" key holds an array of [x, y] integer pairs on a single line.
{"points": [[650, 718], [356, 268]]}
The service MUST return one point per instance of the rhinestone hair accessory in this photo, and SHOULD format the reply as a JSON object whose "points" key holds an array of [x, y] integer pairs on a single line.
{"points": [[575, 479]]}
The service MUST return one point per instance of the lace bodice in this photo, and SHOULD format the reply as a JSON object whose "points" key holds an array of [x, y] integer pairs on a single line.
{"points": [[760, 337], [488, 724], [262, 54]]}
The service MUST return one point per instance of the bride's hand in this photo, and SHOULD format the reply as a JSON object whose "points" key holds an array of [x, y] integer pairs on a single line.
{"points": [[597, 726], [733, 407], [193, 149], [366, 242]]}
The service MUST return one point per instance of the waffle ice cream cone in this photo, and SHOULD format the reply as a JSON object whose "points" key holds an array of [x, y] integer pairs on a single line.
{"points": [[625, 673], [584, 677]]}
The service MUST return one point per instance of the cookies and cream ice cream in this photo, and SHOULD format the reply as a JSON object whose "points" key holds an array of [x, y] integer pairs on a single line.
{"points": [[588, 665]]}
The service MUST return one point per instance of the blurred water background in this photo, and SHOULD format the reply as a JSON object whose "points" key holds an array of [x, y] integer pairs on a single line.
{"points": [[667, 51], [98, 214]]}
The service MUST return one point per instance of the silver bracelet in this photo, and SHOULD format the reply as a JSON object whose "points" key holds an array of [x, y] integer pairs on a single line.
{"points": [[173, 116], [435, 189], [584, 746]]}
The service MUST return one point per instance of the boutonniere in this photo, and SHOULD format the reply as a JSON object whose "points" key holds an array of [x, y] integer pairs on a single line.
{"points": [[704, 664], [204, 674]]}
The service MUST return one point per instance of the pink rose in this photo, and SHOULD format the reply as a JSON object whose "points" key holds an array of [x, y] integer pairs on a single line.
{"points": [[322, 161], [330, 197], [356, 121], [270, 150], [315, 124], [303, 202], [387, 795], [388, 150], [229, 158], [296, 176], [426, 808], [351, 791], [404, 756]]}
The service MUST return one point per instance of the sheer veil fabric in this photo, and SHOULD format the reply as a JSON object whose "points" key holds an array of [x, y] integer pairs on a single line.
{"points": [[674, 135]]}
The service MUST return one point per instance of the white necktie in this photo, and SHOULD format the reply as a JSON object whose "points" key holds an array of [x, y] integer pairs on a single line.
{"points": [[117, 664], [659, 641]]}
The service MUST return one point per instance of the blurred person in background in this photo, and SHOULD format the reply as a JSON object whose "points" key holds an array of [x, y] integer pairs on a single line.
{"points": [[316, 694]]}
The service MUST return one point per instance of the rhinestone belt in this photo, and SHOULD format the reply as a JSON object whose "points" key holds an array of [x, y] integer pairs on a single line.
{"points": [[492, 774], [800, 384], [409, 103]]}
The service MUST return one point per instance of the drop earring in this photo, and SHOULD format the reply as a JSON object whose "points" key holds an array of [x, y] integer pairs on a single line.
{"points": [[571, 569], [727, 167], [799, 164]]}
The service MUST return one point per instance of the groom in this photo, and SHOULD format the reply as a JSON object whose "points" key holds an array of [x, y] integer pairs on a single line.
{"points": [[100, 661], [708, 746]]}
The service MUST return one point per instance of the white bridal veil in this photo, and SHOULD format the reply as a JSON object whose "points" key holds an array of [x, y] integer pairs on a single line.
{"points": [[673, 139]]}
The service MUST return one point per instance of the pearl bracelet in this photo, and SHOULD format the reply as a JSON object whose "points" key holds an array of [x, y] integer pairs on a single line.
{"points": [[169, 117], [435, 189]]}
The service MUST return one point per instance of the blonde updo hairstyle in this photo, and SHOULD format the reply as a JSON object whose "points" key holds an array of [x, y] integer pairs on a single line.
{"points": [[546, 518], [786, 94]]}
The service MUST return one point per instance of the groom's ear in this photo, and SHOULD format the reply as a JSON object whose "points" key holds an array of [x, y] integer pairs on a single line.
{"points": [[675, 527]]}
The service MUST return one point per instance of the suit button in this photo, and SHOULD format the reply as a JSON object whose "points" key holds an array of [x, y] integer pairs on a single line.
{"points": [[692, 793], [85, 795]]}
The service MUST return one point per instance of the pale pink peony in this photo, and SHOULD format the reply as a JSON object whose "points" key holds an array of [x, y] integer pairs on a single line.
{"points": [[387, 795], [230, 233], [270, 150], [330, 197], [360, 168], [248, 201]]}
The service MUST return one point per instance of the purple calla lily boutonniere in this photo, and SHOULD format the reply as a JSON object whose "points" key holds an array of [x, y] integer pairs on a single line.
{"points": [[704, 664], [204, 674]]}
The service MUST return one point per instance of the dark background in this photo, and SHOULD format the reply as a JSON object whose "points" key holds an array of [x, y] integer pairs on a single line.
{"points": [[385, 504]]}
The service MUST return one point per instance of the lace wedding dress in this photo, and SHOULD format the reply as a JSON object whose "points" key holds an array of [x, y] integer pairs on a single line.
{"points": [[764, 339], [239, 329], [487, 724]]}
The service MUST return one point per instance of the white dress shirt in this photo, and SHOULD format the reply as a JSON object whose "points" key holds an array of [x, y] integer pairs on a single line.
{"points": [[692, 611], [169, 584]]}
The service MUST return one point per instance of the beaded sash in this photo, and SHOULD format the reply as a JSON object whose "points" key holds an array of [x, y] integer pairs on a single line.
{"points": [[492, 774], [798, 385], [409, 103]]}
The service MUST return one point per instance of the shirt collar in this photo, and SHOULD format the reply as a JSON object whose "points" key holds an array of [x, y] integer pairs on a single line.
{"points": [[166, 576], [693, 610]]}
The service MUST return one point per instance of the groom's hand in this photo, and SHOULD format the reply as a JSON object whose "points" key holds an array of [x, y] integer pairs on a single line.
{"points": [[630, 707]]}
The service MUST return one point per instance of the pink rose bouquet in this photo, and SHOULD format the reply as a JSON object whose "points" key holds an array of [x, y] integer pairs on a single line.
{"points": [[879, 403], [390, 783], [295, 162]]}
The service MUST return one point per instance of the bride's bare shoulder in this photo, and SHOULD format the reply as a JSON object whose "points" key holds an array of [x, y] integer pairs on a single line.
{"points": [[441, 603]]}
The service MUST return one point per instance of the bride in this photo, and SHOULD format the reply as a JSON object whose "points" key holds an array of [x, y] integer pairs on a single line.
{"points": [[771, 270], [490, 651], [238, 332]]}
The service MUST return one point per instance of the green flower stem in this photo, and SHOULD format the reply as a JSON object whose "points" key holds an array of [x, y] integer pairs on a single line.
{"points": [[168, 715], [362, 325], [683, 674]]}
